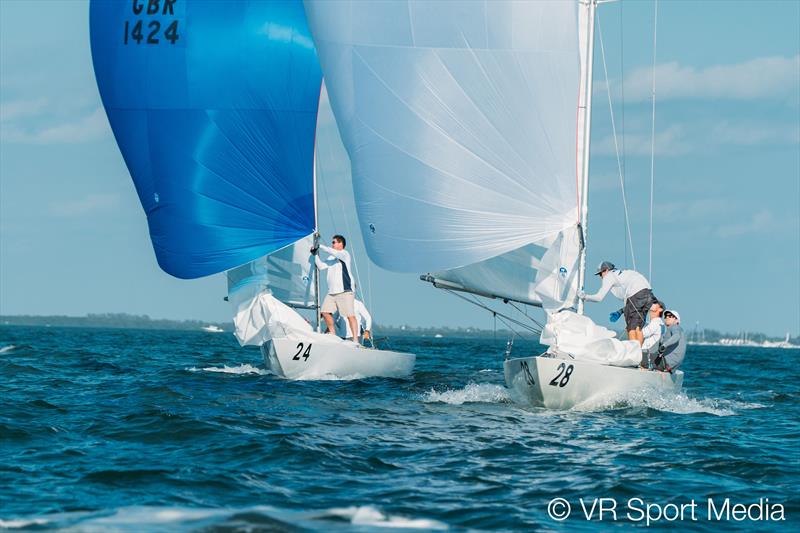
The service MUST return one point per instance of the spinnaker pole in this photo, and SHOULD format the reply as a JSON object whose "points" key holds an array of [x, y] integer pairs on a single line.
{"points": [[585, 112]]}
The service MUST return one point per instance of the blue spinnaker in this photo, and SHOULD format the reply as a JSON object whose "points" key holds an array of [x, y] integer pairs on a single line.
{"points": [[213, 105]]}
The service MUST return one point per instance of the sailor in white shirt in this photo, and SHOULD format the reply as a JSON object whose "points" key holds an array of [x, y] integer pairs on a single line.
{"points": [[654, 329], [632, 288], [340, 283], [363, 318]]}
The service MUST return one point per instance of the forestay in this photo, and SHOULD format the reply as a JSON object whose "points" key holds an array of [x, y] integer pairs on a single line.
{"points": [[213, 104], [459, 119]]}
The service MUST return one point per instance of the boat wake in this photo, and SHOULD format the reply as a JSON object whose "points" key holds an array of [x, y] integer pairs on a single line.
{"points": [[678, 403], [241, 369], [312, 376], [191, 519], [471, 393]]}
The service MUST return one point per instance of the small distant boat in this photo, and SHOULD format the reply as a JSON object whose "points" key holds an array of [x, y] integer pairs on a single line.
{"points": [[212, 329], [743, 342]]}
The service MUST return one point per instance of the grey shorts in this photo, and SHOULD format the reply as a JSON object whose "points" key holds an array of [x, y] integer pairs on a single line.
{"points": [[344, 302], [637, 307]]}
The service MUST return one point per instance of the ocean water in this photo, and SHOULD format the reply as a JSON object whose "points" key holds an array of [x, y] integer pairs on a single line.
{"points": [[129, 430]]}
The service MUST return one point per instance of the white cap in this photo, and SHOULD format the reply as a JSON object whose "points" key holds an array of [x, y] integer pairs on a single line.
{"points": [[674, 312]]}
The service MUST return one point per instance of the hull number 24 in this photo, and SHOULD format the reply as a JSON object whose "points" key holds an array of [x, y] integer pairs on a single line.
{"points": [[306, 354]]}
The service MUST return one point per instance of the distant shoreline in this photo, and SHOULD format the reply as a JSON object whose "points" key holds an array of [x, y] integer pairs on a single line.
{"points": [[126, 321]]}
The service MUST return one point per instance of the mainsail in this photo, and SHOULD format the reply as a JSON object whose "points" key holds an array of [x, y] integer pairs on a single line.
{"points": [[459, 118], [213, 104]]}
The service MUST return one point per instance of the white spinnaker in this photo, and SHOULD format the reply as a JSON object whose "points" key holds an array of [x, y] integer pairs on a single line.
{"points": [[287, 274], [459, 119]]}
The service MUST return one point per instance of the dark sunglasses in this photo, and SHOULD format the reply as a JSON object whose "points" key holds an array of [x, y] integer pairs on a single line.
{"points": [[669, 315]]}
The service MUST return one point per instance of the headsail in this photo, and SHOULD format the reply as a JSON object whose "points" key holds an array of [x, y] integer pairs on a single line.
{"points": [[459, 120], [213, 104], [288, 274]]}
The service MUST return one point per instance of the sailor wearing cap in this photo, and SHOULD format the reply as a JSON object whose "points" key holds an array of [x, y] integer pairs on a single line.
{"points": [[630, 287], [672, 348]]}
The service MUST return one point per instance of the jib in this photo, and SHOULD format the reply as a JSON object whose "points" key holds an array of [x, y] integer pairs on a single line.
{"points": [[153, 6]]}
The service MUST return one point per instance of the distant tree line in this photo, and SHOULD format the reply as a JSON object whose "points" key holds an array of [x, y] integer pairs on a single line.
{"points": [[108, 320], [124, 320]]}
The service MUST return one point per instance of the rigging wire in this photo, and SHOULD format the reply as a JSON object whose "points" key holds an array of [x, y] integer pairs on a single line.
{"points": [[653, 140], [500, 316], [616, 145], [622, 98], [512, 304]]}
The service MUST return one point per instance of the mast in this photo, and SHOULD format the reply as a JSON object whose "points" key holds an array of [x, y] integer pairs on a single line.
{"points": [[585, 112], [316, 242]]}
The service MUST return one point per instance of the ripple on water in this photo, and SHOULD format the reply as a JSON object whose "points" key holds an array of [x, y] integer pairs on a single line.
{"points": [[109, 422]]}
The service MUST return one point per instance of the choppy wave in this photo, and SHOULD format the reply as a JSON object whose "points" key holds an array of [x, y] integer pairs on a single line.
{"points": [[140, 518], [678, 403], [241, 369], [177, 431], [472, 393], [371, 516], [8, 348]]}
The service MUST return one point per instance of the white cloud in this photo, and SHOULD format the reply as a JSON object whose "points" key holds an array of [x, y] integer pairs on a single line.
{"points": [[83, 128], [702, 137], [760, 222], [700, 208], [21, 108], [760, 78], [670, 141], [751, 134], [92, 203]]}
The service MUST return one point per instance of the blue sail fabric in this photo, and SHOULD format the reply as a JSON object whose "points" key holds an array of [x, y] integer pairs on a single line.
{"points": [[213, 105]]}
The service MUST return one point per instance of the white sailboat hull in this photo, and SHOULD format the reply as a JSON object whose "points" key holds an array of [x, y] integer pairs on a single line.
{"points": [[557, 383], [299, 359]]}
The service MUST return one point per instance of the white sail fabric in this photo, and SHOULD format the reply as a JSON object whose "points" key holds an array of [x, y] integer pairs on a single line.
{"points": [[258, 317], [459, 120], [543, 275], [288, 274], [570, 333]]}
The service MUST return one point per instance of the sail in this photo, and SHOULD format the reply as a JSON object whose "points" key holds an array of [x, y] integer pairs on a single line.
{"points": [[213, 105], [288, 274], [459, 121], [542, 275]]}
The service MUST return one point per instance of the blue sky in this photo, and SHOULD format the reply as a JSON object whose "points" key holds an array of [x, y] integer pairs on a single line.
{"points": [[726, 250]]}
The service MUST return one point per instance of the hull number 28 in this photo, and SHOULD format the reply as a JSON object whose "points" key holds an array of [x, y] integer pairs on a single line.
{"points": [[562, 378], [305, 354]]}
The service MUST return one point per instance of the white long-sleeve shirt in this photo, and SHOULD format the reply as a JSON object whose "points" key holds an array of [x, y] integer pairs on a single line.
{"points": [[622, 283], [339, 270], [652, 333], [363, 318]]}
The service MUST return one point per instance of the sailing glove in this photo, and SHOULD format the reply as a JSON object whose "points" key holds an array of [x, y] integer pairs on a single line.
{"points": [[613, 317], [314, 250]]}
